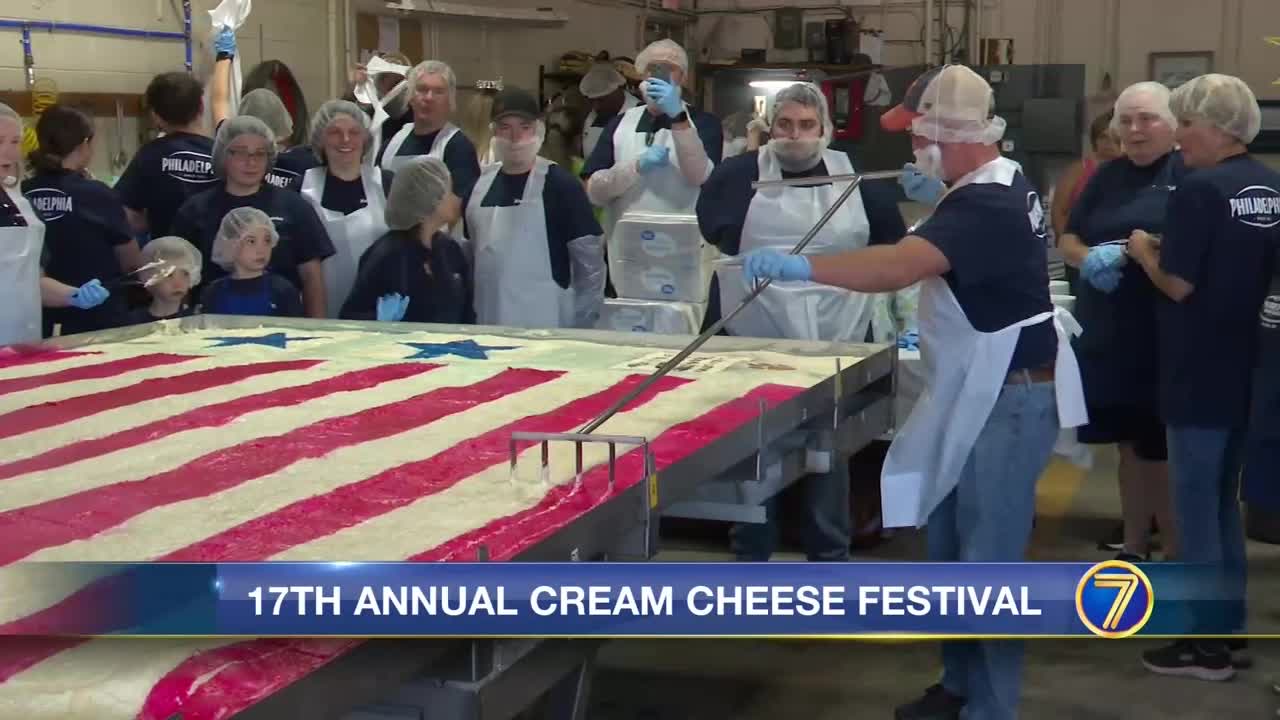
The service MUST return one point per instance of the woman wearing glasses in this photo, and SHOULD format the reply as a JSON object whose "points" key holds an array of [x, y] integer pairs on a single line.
{"points": [[243, 152]]}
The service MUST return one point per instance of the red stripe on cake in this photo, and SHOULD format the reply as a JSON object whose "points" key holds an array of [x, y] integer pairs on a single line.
{"points": [[19, 653], [96, 371], [12, 357]]}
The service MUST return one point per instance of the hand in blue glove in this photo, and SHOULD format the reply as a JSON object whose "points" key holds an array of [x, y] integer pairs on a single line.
{"points": [[90, 295], [665, 96], [225, 42], [654, 156], [391, 308], [1102, 265], [921, 187], [770, 264]]}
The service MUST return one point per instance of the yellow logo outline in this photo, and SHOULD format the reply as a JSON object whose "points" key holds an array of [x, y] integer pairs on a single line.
{"points": [[1126, 585]]}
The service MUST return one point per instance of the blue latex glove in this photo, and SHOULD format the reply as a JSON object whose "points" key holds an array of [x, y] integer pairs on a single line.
{"points": [[921, 187], [90, 295], [653, 157], [909, 340], [391, 308], [770, 264], [1102, 267], [665, 96], [225, 42]]}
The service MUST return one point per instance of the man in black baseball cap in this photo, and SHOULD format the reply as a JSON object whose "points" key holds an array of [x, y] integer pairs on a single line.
{"points": [[539, 254]]}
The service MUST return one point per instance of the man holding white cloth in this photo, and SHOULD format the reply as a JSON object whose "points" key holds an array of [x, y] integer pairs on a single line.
{"points": [[1001, 376]]}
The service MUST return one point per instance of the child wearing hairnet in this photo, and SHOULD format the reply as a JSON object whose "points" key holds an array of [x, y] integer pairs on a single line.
{"points": [[415, 272], [243, 248], [170, 268]]}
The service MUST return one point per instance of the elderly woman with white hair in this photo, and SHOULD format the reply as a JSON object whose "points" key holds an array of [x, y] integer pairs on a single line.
{"points": [[1212, 267], [739, 219], [348, 193], [1116, 306], [243, 152], [433, 98]]}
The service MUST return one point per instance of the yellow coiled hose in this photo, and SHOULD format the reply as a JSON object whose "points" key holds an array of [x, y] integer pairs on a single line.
{"points": [[44, 94]]}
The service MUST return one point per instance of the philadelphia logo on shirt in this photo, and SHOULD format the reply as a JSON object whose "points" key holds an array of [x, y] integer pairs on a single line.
{"points": [[51, 203], [1035, 213], [281, 178], [188, 166], [1257, 206]]}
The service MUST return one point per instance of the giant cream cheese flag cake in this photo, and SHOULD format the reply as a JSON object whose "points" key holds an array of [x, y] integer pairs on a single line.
{"points": [[282, 444]]}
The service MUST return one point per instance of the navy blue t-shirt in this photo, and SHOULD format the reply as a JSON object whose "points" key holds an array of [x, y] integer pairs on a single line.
{"points": [[84, 224], [302, 235], [994, 237], [347, 196], [459, 156], [268, 294], [163, 174], [566, 210], [726, 196], [1117, 350], [141, 315], [707, 125], [291, 165], [397, 263], [1220, 236], [10, 215]]}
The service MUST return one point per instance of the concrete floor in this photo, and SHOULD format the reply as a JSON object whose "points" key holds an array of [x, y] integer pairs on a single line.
{"points": [[1076, 679]]}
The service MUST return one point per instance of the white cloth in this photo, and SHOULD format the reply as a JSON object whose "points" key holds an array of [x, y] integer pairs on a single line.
{"points": [[514, 286], [591, 134], [350, 234], [381, 115], [778, 218], [20, 249], [661, 191], [233, 14], [965, 370]]}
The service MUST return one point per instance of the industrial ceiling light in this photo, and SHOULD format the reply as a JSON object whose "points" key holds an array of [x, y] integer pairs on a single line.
{"points": [[539, 16], [773, 86]]}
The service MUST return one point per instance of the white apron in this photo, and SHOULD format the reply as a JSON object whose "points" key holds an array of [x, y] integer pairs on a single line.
{"points": [[513, 282], [662, 191], [778, 218], [20, 249], [591, 134], [350, 234], [965, 370], [393, 162]]}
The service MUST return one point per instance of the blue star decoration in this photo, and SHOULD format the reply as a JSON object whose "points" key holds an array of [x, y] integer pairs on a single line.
{"points": [[462, 348], [275, 340]]}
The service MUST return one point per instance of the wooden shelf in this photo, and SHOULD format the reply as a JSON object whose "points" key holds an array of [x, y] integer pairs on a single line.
{"points": [[95, 104]]}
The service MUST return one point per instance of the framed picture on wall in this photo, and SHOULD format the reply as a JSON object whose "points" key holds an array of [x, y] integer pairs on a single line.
{"points": [[1171, 69]]}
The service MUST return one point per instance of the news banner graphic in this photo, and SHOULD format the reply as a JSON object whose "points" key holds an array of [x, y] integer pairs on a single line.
{"points": [[905, 600]]}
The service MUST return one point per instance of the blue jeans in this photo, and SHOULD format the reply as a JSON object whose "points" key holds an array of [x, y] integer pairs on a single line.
{"points": [[987, 518], [1204, 470], [828, 528]]}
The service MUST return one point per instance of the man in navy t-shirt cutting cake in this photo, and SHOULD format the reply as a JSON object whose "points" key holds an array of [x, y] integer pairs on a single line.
{"points": [[1001, 376]]}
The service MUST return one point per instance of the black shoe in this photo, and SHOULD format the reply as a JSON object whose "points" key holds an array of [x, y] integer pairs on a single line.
{"points": [[1131, 558], [1200, 660], [1240, 657], [1114, 540], [937, 703]]}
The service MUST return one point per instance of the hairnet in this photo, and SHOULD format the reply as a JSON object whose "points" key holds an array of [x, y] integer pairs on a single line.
{"points": [[167, 252], [417, 192], [808, 95], [954, 104], [325, 116], [269, 108], [600, 80], [226, 244], [434, 67], [664, 51], [1224, 101], [1144, 97], [8, 112], [233, 128]]}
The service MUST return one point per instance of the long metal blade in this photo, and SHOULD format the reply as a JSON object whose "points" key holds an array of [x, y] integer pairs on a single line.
{"points": [[710, 332], [828, 179]]}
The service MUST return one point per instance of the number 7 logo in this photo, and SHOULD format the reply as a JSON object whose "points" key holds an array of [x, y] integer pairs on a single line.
{"points": [[1106, 596], [1126, 584]]}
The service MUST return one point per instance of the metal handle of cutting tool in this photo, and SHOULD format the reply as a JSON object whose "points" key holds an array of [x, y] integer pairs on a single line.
{"points": [[710, 332], [828, 179]]}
